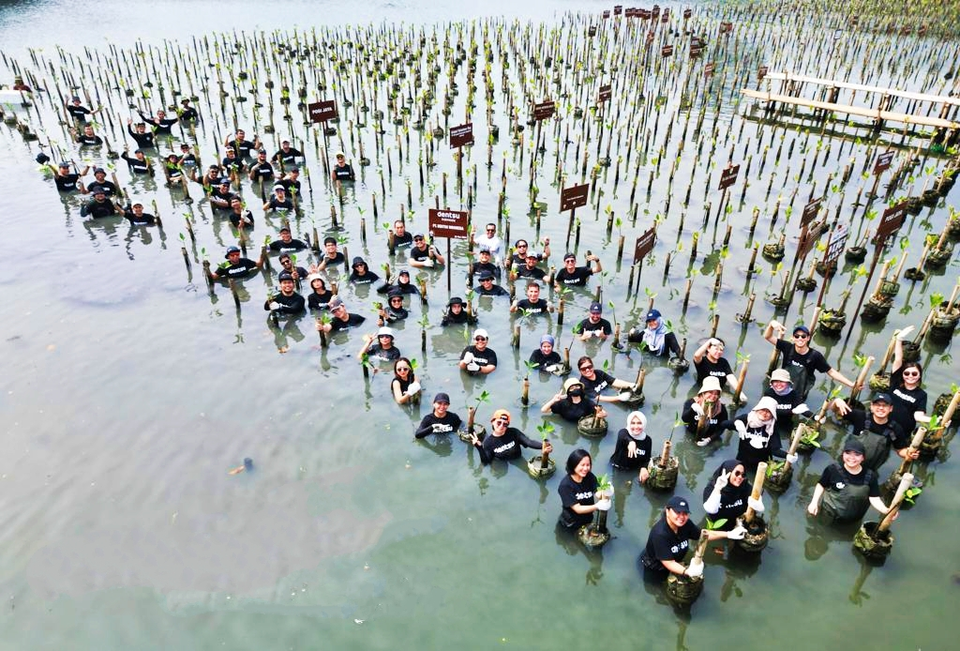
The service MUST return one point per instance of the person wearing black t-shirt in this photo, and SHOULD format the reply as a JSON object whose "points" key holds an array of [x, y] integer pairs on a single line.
{"points": [[727, 495], [572, 404], [523, 252], [135, 215], [545, 357], [341, 318], [161, 124], [231, 162], [286, 243], [235, 266], [138, 163], [238, 215], [485, 264], [331, 255], [394, 310], [187, 113], [596, 380], [241, 146], [424, 255], [669, 541], [261, 171], [100, 181], [708, 359], [278, 200], [847, 489], [220, 195], [656, 338], [487, 286], [65, 180], [78, 112], [594, 326], [342, 171], [758, 436], [634, 448], [789, 402], [286, 265], [401, 236], [440, 421], [88, 138], [532, 304], [287, 155], [403, 285], [877, 431], [292, 183], [320, 298], [504, 442], [456, 313], [578, 492], [100, 206], [909, 399], [573, 276], [360, 273], [405, 387], [478, 358], [801, 361], [530, 270], [380, 346], [287, 301], [144, 139], [706, 406]]}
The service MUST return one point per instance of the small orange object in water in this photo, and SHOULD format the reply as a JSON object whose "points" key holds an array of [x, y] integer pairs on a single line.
{"points": [[237, 470]]}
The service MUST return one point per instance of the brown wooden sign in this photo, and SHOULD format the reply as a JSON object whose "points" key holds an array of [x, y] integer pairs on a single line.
{"points": [[687, 13], [574, 197], [762, 72], [809, 237], [322, 111], [592, 31], [729, 176], [891, 222], [606, 13], [461, 136], [883, 162], [810, 211], [666, 51], [695, 50], [665, 17], [617, 10], [708, 70], [644, 245], [644, 14], [606, 92], [544, 110], [449, 223]]}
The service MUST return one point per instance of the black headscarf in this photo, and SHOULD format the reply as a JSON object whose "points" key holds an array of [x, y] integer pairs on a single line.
{"points": [[729, 491]]}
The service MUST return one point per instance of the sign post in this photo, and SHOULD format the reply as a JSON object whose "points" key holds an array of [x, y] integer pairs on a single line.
{"points": [[451, 224], [460, 136], [642, 247], [570, 199], [727, 178], [882, 165]]}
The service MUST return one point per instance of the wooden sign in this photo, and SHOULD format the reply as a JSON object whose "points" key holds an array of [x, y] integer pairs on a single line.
{"points": [[809, 237], [461, 136], [883, 162], [449, 223], [695, 50], [617, 10], [729, 176], [544, 110], [644, 14], [322, 111], [687, 13], [708, 70], [810, 211], [665, 16], [837, 243], [574, 197], [890, 223], [592, 31], [762, 72], [606, 92], [606, 13], [666, 51], [644, 245]]}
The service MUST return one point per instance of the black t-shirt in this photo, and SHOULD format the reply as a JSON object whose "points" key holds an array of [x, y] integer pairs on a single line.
{"points": [[137, 166], [433, 425], [733, 502], [419, 254], [573, 493], [352, 321], [905, 402], [577, 278], [486, 266], [483, 358], [279, 246], [802, 367], [241, 148], [536, 273], [540, 307], [403, 240], [66, 182], [108, 187], [376, 351], [835, 477], [493, 290], [449, 318], [506, 447], [567, 410], [89, 141], [343, 173], [290, 185], [98, 209], [757, 444], [78, 112], [145, 140], [274, 203], [247, 217], [288, 157], [601, 381], [293, 304], [240, 270], [336, 259], [600, 326], [262, 171], [785, 405], [365, 279], [714, 426], [319, 301], [719, 369], [145, 219], [878, 451], [542, 361], [664, 545], [619, 458]]}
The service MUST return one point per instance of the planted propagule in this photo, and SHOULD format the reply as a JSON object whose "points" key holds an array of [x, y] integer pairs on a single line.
{"points": [[663, 470], [875, 541], [683, 590], [757, 536]]}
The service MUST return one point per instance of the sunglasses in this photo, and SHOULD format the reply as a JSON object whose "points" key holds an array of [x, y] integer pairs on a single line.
{"points": [[502, 421], [418, 239], [586, 368], [486, 280], [403, 369], [911, 373], [521, 246], [491, 230], [286, 262], [479, 338], [738, 473], [801, 335]]}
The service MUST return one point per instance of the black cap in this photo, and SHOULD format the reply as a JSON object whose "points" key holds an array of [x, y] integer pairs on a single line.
{"points": [[678, 504], [882, 396], [456, 300], [486, 275], [442, 397], [854, 445], [358, 260], [285, 275]]}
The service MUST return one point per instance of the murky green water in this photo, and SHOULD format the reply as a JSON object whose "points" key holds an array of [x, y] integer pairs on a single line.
{"points": [[128, 393]]}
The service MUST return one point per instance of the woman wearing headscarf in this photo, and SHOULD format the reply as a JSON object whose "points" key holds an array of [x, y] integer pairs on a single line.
{"points": [[545, 357], [656, 338], [727, 495], [789, 402], [757, 431], [705, 405], [634, 447]]}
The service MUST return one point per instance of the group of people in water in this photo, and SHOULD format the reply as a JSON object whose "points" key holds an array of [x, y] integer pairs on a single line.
{"points": [[846, 490]]}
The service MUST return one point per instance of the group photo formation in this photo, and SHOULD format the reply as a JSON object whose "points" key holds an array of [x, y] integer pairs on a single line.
{"points": [[480, 326]]}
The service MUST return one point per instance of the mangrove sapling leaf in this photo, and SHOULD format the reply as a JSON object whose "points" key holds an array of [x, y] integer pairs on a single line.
{"points": [[713, 525], [946, 359], [414, 364], [603, 483], [545, 428], [859, 360], [911, 494], [936, 299], [774, 467], [810, 438]]}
